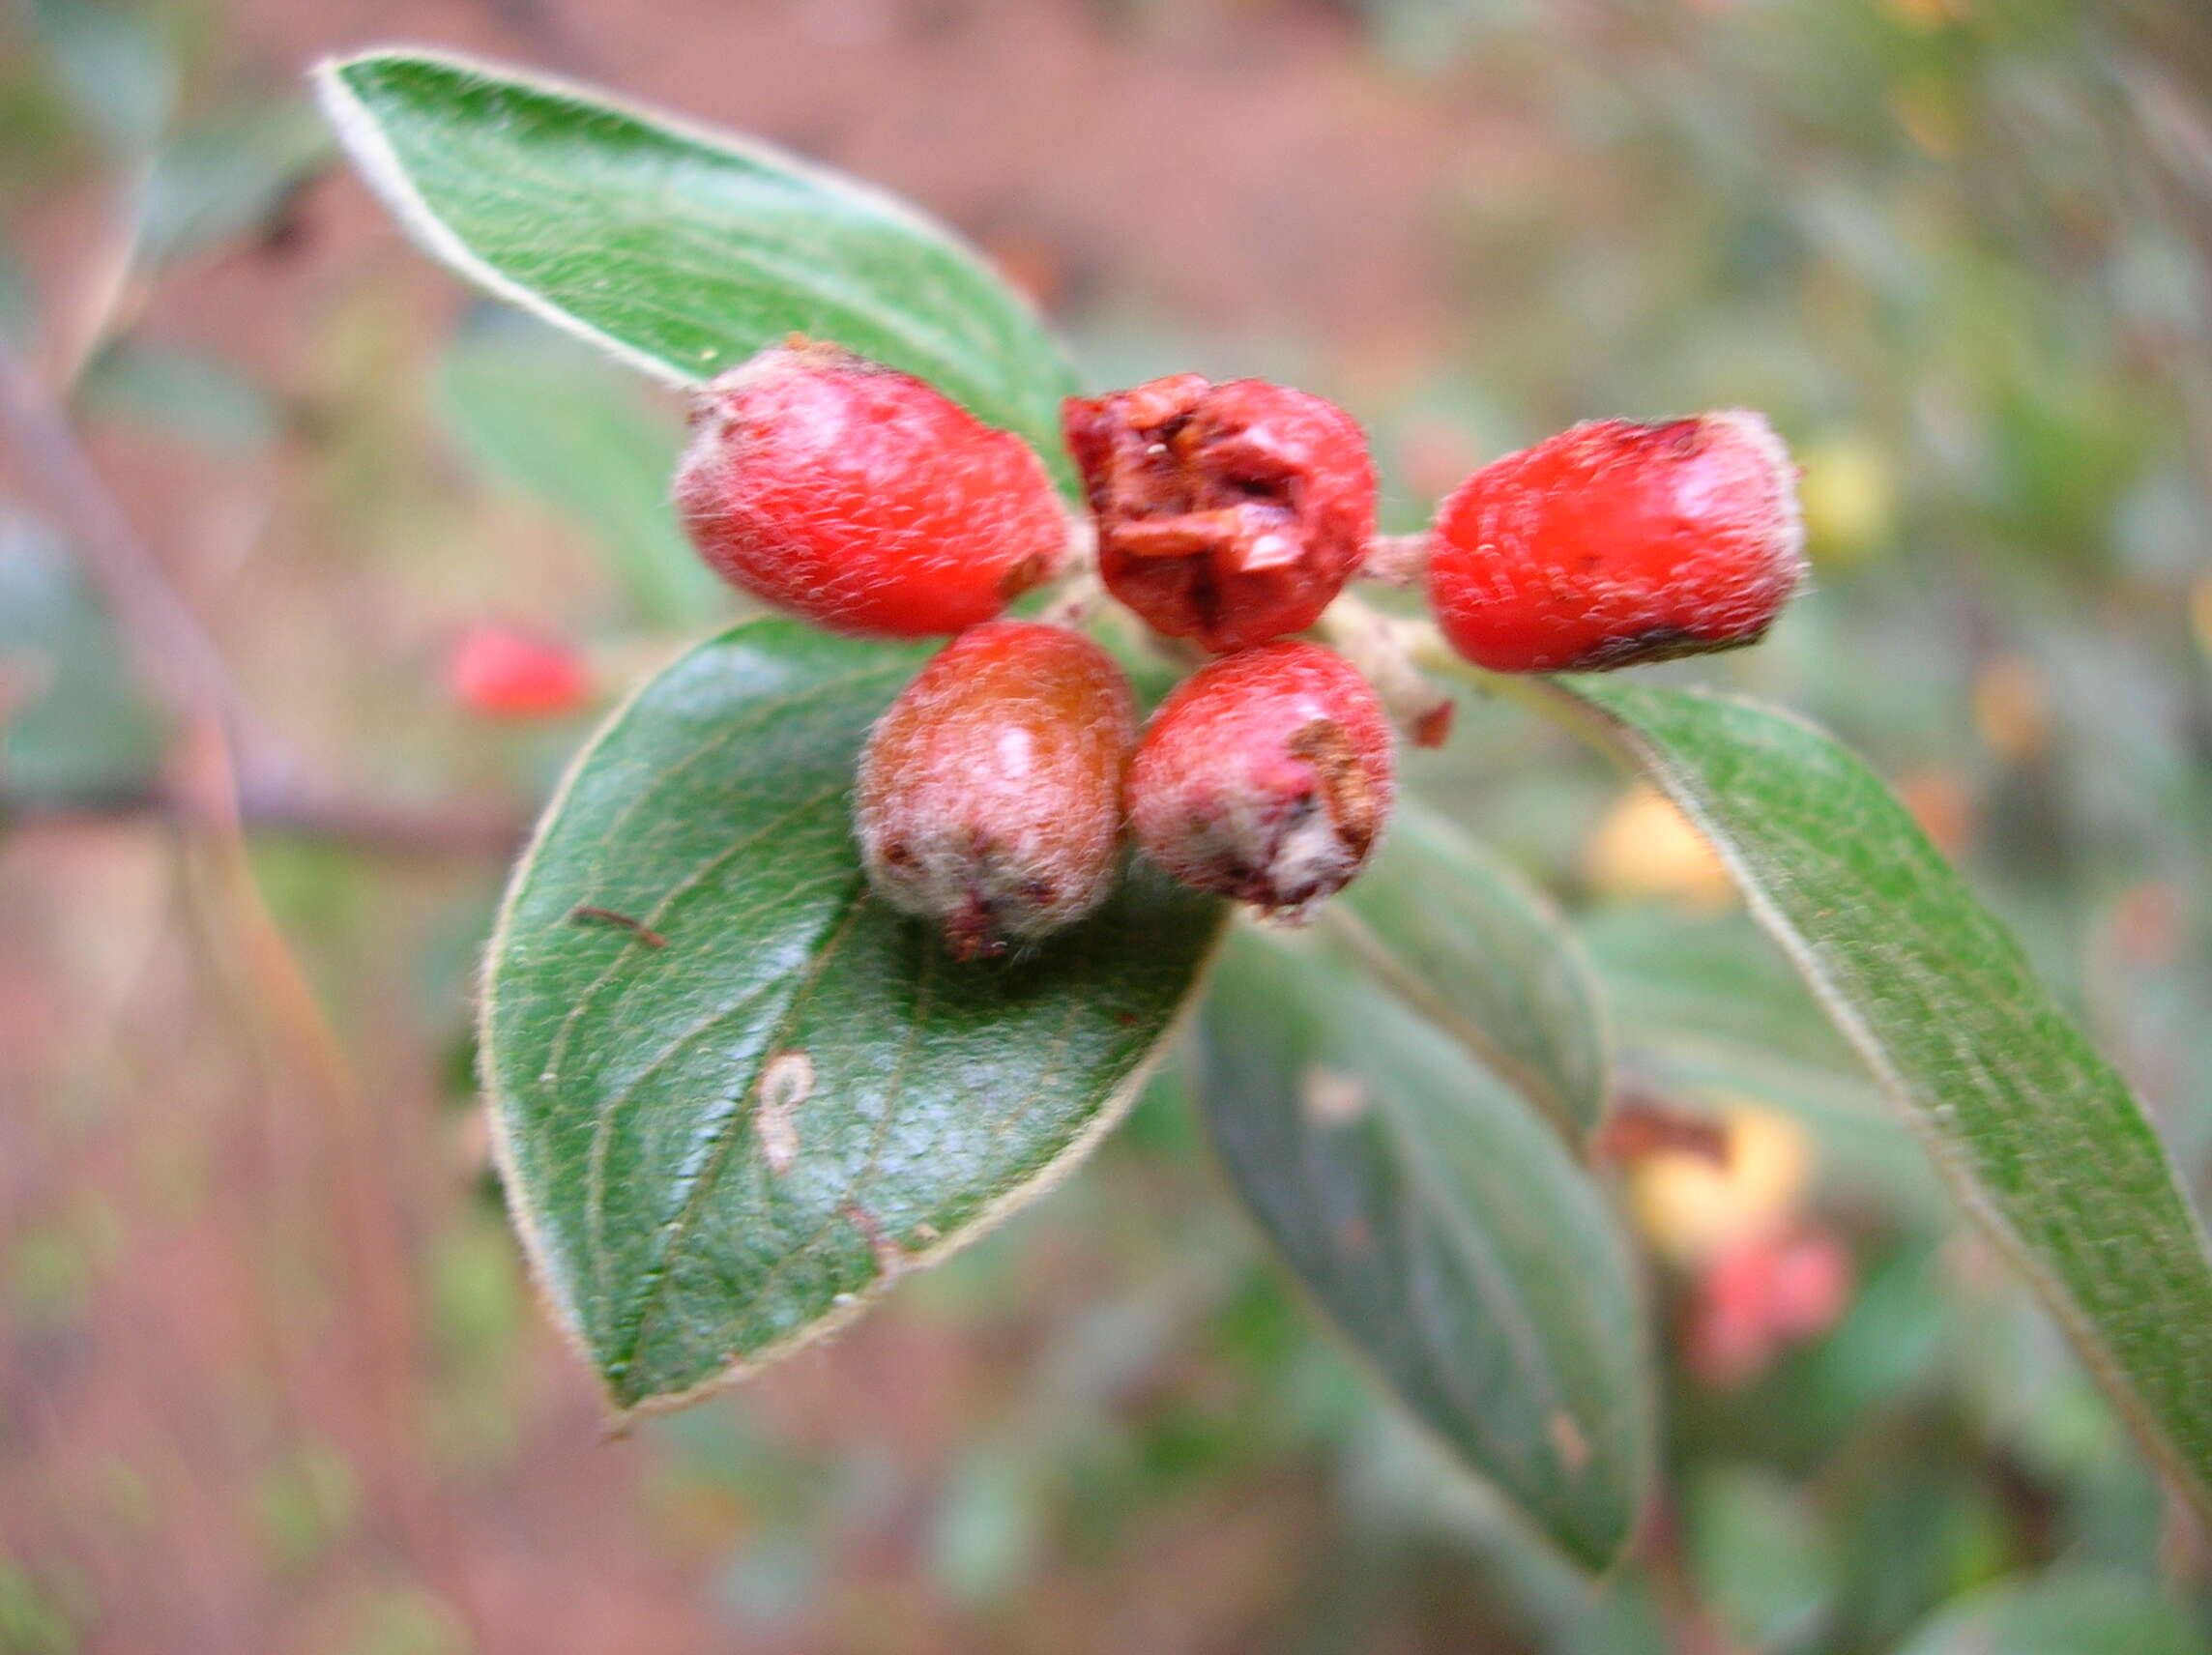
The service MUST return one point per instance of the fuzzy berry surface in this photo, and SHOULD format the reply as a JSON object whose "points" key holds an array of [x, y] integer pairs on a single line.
{"points": [[1265, 777], [861, 498], [1227, 513], [988, 798], [1614, 544]]}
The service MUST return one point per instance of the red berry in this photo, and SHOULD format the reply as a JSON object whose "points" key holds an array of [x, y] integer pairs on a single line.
{"points": [[989, 794], [1265, 777], [1226, 513], [501, 673], [1811, 1285], [1762, 1294], [858, 497], [1614, 543]]}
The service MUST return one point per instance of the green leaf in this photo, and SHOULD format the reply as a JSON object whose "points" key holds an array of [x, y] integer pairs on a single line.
{"points": [[114, 65], [1714, 981], [74, 726], [1704, 1012], [185, 394], [1709, 1005], [559, 422], [2068, 1611], [681, 250], [2037, 1134], [1446, 1232], [719, 1148], [1463, 938], [224, 177], [1760, 1556]]}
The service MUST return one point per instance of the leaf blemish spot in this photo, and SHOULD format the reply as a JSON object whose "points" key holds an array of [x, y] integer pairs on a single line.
{"points": [[589, 915], [891, 1257], [786, 1083], [1568, 1441], [1330, 1097]]}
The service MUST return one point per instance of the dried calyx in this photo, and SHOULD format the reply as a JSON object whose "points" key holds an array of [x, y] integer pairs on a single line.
{"points": [[1228, 514]]}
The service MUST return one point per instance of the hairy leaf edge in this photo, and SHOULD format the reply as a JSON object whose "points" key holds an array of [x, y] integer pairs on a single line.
{"points": [[362, 135], [1616, 735], [522, 1212]]}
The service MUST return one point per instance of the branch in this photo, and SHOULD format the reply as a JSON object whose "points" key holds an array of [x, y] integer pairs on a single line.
{"points": [[270, 809], [171, 648]]}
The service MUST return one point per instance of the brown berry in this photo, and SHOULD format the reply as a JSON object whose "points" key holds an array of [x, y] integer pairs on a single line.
{"points": [[988, 798]]}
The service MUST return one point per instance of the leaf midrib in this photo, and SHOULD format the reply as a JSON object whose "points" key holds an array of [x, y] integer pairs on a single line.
{"points": [[837, 927]]}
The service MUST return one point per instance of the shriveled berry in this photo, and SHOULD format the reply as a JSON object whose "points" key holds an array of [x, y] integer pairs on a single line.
{"points": [[497, 672], [1614, 543], [860, 498], [1267, 777], [989, 794], [1226, 513]]}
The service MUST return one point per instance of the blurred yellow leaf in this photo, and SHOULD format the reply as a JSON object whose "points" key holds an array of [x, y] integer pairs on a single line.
{"points": [[1644, 849], [1691, 1207]]}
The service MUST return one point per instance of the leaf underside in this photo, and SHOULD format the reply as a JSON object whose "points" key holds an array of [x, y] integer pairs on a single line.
{"points": [[1445, 1230]]}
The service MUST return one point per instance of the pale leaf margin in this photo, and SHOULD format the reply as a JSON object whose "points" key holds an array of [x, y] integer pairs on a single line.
{"points": [[522, 1215], [1618, 735], [362, 137]]}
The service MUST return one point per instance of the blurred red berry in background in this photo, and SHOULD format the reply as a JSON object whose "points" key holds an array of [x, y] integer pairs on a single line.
{"points": [[1760, 1295], [497, 673]]}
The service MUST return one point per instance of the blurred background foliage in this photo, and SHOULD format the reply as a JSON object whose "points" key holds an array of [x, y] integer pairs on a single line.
{"points": [[269, 1375]]}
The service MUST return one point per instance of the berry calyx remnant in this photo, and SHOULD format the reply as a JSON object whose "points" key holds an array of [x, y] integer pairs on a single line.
{"points": [[988, 798], [861, 498], [1614, 544], [1227, 513], [1265, 777]]}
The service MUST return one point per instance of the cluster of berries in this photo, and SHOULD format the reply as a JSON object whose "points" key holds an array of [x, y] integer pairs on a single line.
{"points": [[993, 793]]}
